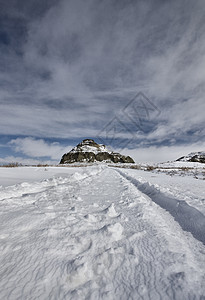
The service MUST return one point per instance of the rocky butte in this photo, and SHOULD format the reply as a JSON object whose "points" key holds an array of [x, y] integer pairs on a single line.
{"points": [[89, 151]]}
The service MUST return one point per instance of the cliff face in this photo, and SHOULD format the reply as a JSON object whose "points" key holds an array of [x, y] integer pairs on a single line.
{"points": [[89, 151]]}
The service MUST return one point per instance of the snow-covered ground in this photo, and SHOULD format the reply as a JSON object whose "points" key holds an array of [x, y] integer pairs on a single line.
{"points": [[182, 187], [193, 169], [101, 233], [12, 176]]}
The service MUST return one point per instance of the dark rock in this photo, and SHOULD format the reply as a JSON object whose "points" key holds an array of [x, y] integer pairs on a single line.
{"points": [[89, 151], [198, 158], [179, 159], [193, 157]]}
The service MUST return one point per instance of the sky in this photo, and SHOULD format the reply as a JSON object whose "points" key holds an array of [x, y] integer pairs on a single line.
{"points": [[126, 73]]}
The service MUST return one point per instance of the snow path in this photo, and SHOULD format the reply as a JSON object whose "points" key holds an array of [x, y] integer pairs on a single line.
{"points": [[189, 218], [186, 187], [95, 237]]}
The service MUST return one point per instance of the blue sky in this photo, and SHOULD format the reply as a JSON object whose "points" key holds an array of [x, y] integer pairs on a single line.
{"points": [[68, 68]]}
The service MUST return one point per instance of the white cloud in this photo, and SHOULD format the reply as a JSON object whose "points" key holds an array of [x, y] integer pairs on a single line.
{"points": [[36, 148], [25, 161], [162, 154]]}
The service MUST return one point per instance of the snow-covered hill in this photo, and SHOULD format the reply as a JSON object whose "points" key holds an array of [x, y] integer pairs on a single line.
{"points": [[89, 145], [89, 151], [101, 233], [194, 157]]}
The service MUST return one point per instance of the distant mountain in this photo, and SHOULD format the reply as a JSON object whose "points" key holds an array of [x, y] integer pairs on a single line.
{"points": [[89, 151], [193, 157]]}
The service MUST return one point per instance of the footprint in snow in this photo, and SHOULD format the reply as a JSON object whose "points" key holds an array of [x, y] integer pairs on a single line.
{"points": [[111, 231], [90, 218], [109, 211]]}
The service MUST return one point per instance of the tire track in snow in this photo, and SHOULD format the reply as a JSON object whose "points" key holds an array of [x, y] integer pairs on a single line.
{"points": [[189, 218], [123, 284], [175, 288]]}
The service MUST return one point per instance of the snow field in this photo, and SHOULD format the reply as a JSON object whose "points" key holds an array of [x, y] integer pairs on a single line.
{"points": [[94, 235], [185, 188]]}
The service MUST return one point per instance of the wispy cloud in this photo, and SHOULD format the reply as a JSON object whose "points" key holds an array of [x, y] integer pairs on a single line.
{"points": [[67, 67]]}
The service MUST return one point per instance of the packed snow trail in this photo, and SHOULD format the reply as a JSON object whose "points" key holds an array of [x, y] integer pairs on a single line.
{"points": [[95, 236], [189, 218]]}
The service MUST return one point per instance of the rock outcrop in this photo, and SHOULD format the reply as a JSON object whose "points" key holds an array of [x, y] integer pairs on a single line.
{"points": [[193, 157], [89, 151]]}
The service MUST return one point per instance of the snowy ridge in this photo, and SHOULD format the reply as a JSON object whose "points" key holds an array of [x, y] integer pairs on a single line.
{"points": [[196, 153], [88, 148], [194, 156], [89, 145]]}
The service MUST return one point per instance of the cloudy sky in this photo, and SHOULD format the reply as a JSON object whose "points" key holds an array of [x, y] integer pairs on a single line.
{"points": [[126, 72]]}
